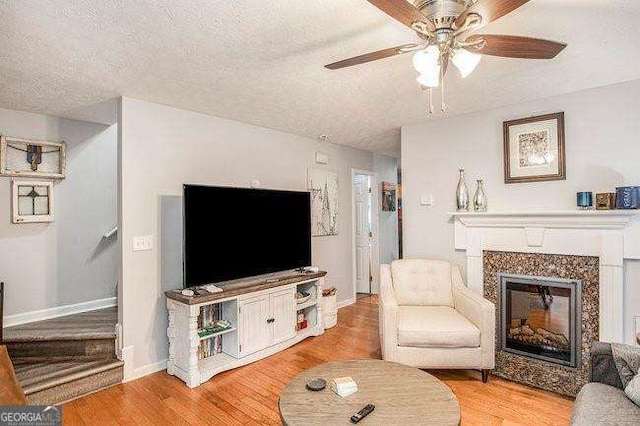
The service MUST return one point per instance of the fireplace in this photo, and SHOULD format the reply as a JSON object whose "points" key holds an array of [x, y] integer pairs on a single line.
{"points": [[590, 247], [540, 318]]}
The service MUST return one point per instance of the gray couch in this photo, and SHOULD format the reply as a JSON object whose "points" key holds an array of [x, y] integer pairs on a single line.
{"points": [[603, 402]]}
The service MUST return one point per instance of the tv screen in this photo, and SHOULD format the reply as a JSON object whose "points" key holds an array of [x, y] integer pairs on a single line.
{"points": [[234, 233]]}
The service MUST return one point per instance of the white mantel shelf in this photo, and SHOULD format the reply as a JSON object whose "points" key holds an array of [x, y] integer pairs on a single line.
{"points": [[585, 219], [611, 235]]}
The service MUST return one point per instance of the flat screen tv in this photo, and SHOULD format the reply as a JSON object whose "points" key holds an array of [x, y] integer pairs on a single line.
{"points": [[232, 233]]}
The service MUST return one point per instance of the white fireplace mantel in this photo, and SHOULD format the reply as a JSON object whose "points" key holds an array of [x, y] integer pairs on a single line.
{"points": [[591, 219], [611, 235]]}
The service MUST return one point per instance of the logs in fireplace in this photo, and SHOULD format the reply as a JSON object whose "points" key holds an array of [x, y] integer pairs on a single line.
{"points": [[540, 318]]}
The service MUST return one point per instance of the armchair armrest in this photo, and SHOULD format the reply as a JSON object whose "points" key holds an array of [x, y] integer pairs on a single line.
{"points": [[474, 307], [388, 311], [479, 311]]}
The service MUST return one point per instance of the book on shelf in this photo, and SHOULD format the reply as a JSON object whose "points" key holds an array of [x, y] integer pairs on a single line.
{"points": [[208, 315], [210, 347], [217, 327], [302, 322], [210, 322]]}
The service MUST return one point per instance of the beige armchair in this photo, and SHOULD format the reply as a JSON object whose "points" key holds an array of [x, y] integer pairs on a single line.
{"points": [[430, 319]]}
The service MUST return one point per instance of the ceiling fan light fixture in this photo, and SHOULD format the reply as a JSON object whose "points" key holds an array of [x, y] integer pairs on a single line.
{"points": [[427, 63], [465, 61], [426, 60], [429, 79]]}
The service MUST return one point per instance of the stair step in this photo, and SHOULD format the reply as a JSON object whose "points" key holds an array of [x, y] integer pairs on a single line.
{"points": [[77, 349], [87, 335], [64, 358], [93, 325], [54, 382]]}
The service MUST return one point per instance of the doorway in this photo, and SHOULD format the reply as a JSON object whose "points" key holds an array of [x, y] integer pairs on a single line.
{"points": [[365, 233]]}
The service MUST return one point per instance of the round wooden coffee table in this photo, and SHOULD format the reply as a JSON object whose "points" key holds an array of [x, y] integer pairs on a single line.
{"points": [[402, 396]]}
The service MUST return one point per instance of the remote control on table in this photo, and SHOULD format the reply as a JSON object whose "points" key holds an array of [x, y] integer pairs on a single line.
{"points": [[362, 413]]}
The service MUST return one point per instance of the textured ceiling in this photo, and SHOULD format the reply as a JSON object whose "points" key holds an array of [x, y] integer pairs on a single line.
{"points": [[261, 62]]}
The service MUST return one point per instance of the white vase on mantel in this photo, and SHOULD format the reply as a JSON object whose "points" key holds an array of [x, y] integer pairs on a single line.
{"points": [[480, 198]]}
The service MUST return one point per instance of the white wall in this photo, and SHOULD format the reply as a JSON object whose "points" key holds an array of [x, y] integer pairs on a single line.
{"points": [[65, 262], [387, 169], [602, 152], [162, 148]]}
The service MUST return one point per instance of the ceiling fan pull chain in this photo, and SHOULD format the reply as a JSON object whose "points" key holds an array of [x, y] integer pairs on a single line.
{"points": [[430, 101], [443, 105]]}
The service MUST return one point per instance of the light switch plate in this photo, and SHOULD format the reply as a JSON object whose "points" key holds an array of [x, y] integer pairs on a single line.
{"points": [[426, 200], [144, 242]]}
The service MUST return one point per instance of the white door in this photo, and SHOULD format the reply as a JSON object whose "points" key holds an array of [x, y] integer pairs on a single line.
{"points": [[283, 315], [254, 329], [362, 197]]}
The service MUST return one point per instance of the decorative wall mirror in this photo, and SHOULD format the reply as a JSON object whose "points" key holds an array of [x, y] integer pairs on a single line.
{"points": [[32, 158], [32, 201]]}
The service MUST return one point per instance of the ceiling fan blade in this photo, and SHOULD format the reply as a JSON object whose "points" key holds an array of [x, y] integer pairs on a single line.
{"points": [[517, 47], [373, 56], [490, 10], [402, 11]]}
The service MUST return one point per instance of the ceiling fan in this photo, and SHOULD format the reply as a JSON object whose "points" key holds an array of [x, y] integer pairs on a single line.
{"points": [[445, 27]]}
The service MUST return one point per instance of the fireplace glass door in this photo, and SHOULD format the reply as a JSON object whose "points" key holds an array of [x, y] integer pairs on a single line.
{"points": [[540, 318]]}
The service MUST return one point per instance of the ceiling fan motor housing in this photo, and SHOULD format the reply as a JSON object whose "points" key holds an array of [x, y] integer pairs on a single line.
{"points": [[442, 13]]}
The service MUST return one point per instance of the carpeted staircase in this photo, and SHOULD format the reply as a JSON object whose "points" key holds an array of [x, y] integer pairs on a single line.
{"points": [[65, 358]]}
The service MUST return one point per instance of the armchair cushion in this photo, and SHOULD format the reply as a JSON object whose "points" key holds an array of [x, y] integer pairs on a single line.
{"points": [[435, 327], [421, 282]]}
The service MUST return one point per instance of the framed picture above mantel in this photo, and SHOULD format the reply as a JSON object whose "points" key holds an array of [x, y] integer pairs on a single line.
{"points": [[534, 149]]}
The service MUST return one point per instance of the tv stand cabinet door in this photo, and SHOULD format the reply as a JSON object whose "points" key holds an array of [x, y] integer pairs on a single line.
{"points": [[253, 325], [283, 314]]}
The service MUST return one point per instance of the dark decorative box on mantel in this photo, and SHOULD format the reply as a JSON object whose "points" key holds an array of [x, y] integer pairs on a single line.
{"points": [[628, 197]]}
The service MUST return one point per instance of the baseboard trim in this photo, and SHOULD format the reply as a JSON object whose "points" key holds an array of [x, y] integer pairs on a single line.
{"points": [[345, 303], [60, 311], [146, 370]]}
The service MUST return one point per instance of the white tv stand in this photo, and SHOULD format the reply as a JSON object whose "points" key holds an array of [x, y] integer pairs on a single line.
{"points": [[263, 316]]}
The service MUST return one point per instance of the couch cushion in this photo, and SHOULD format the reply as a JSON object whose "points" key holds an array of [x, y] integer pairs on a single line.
{"points": [[600, 404], [633, 390], [435, 327], [421, 282]]}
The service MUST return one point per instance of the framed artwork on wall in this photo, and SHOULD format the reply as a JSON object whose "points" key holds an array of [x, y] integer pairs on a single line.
{"points": [[388, 197], [32, 158], [534, 149], [323, 185], [31, 201]]}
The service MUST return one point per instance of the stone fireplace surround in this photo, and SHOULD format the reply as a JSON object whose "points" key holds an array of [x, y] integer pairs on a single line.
{"points": [[541, 374], [609, 237]]}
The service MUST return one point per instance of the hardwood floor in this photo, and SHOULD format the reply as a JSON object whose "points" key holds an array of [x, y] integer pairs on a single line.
{"points": [[249, 395]]}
